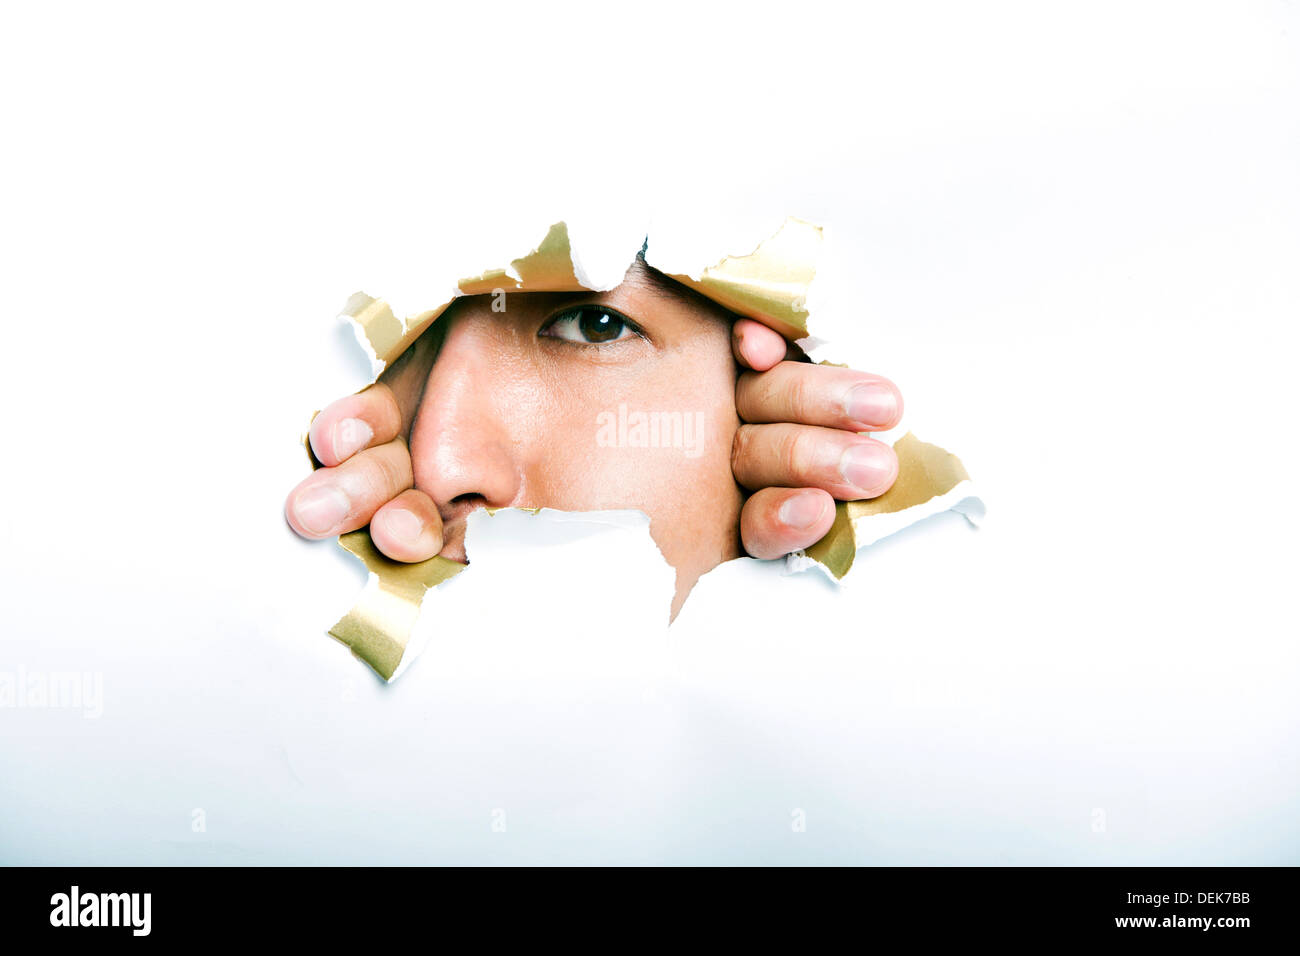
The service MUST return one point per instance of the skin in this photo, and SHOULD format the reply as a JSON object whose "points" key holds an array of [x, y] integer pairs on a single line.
{"points": [[503, 409]]}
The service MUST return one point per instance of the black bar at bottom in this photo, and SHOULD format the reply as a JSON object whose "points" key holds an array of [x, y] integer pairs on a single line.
{"points": [[1231, 906]]}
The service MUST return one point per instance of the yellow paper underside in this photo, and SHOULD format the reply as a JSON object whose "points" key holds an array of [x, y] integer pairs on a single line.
{"points": [[925, 471], [379, 625]]}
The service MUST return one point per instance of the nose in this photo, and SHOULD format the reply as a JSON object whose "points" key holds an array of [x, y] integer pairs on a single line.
{"points": [[465, 452]]}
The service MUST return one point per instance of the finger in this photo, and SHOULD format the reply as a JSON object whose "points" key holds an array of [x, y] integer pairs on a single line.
{"points": [[819, 395], [776, 521], [359, 421], [755, 345], [408, 528], [849, 466], [336, 500]]}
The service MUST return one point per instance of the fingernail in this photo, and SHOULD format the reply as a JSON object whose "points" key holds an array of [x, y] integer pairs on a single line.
{"points": [[320, 510], [803, 510], [403, 525], [867, 467], [871, 404], [350, 436]]}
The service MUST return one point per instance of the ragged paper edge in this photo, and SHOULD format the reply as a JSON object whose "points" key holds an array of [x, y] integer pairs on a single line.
{"points": [[769, 284], [930, 480], [623, 519], [550, 267]]}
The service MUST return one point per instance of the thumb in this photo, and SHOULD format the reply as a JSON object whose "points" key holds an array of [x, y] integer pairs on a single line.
{"points": [[408, 528]]}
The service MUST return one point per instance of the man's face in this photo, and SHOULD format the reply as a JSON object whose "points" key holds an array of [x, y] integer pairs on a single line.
{"points": [[585, 402]]}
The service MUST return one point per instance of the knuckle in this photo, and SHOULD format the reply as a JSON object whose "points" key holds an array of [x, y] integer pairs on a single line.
{"points": [[376, 406], [738, 443], [746, 383], [798, 393], [385, 477], [385, 407], [794, 452], [742, 451]]}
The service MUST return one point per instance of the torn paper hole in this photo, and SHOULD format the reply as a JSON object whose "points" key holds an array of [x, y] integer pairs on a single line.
{"points": [[770, 284]]}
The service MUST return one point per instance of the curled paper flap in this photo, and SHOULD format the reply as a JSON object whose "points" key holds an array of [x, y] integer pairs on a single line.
{"points": [[925, 473], [548, 268], [381, 334], [384, 337], [379, 626], [771, 283]]}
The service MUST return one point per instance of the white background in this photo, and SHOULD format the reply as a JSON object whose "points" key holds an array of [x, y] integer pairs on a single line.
{"points": [[1071, 232]]}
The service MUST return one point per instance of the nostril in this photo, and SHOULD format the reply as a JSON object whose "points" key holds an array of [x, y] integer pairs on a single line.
{"points": [[459, 508]]}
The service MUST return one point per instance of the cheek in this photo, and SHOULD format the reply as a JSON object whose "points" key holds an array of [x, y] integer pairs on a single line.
{"points": [[655, 439]]}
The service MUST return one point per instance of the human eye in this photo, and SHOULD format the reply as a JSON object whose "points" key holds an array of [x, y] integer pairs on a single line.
{"points": [[590, 325]]}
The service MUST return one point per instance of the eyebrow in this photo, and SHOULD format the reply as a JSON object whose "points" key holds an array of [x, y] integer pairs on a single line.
{"points": [[666, 287], [659, 283]]}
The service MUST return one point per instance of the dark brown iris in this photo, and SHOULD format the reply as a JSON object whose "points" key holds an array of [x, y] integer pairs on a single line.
{"points": [[598, 326]]}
